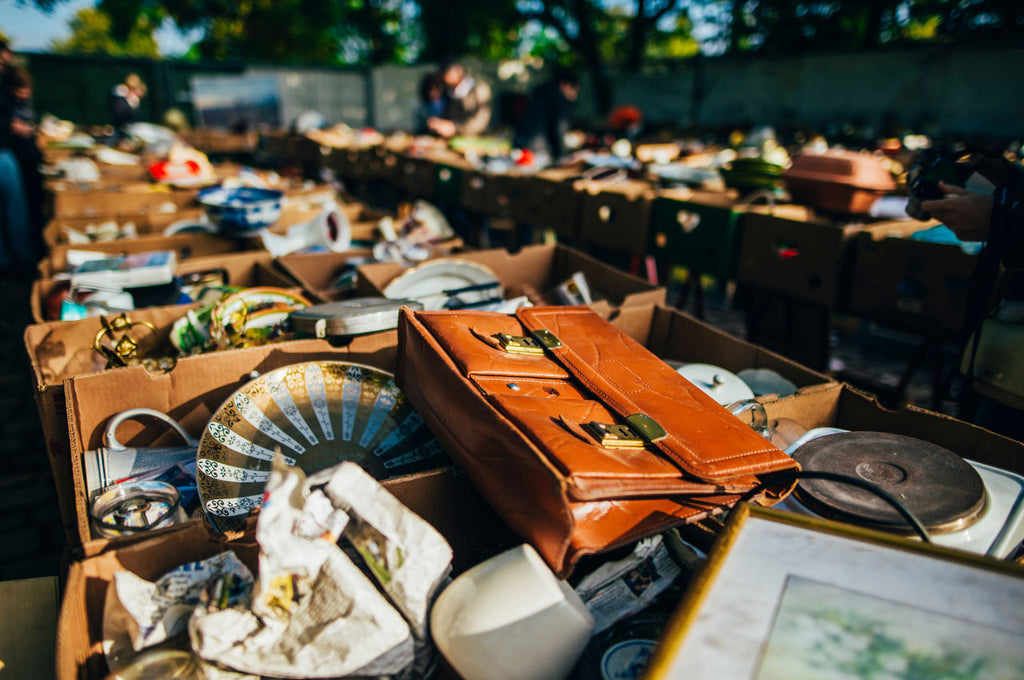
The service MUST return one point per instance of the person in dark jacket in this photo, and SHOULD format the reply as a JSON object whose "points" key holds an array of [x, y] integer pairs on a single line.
{"points": [[468, 104], [994, 320], [16, 245], [433, 102], [25, 148], [124, 101], [545, 118]]}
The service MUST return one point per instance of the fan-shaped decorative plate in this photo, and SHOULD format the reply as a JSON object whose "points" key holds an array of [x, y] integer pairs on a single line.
{"points": [[318, 414]]}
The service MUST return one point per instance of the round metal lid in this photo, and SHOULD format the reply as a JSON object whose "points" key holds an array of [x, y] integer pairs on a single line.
{"points": [[939, 487]]}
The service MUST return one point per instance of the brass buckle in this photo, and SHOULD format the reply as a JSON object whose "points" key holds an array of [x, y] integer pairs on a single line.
{"points": [[519, 344], [647, 427], [614, 436], [123, 349]]}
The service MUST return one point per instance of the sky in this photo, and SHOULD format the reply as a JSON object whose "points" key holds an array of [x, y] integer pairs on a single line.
{"points": [[32, 30]]}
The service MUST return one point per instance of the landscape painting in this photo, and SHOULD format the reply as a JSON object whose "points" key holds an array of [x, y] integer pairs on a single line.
{"points": [[825, 632]]}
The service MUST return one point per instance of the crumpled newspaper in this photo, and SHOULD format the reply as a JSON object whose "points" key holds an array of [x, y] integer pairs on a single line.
{"points": [[139, 614], [315, 614], [621, 588], [405, 555]]}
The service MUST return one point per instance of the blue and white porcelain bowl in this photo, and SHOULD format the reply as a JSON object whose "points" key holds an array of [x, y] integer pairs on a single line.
{"points": [[242, 211]]}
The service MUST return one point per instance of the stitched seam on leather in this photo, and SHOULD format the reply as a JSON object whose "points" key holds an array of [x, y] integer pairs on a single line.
{"points": [[433, 344], [616, 402], [640, 380], [574, 361]]}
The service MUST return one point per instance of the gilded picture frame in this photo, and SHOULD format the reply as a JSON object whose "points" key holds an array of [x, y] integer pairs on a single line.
{"points": [[795, 597]]}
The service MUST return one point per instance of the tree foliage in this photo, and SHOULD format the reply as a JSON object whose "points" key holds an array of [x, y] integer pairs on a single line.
{"points": [[91, 34], [595, 34]]}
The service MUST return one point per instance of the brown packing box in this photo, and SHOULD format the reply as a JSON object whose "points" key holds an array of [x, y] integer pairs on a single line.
{"points": [[121, 200], [221, 141], [184, 245], [842, 406], [152, 223], [442, 497], [190, 394], [789, 249], [674, 335], [315, 272], [250, 268], [62, 349], [510, 197], [416, 175], [915, 284], [615, 215], [541, 267], [476, 186], [552, 202]]}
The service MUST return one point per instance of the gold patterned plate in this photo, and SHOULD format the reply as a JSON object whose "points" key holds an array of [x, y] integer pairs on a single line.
{"points": [[318, 414]]}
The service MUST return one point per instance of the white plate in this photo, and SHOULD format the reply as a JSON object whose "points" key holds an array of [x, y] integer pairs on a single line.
{"points": [[426, 283], [766, 381]]}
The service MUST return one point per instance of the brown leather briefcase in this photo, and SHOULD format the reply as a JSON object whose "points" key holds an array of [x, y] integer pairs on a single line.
{"points": [[579, 437]]}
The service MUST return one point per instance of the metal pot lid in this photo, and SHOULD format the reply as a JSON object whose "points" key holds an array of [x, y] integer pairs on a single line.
{"points": [[350, 317], [723, 386]]}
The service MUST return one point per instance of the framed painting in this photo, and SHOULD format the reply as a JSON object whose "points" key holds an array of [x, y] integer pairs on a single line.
{"points": [[787, 597]]}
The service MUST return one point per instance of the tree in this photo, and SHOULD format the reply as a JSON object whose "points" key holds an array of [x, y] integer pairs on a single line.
{"points": [[91, 34], [285, 31], [453, 28]]}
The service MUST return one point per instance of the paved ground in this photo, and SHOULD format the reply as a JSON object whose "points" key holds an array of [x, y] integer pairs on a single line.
{"points": [[31, 538]]}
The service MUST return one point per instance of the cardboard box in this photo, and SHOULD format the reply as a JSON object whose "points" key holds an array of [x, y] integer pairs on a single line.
{"points": [[792, 251], [676, 336], [552, 202], [212, 141], [540, 267], [190, 394], [840, 405], [118, 200], [448, 183], [315, 272], [615, 215], [184, 245], [699, 230], [273, 143], [146, 224], [474, 190], [63, 349], [415, 175], [911, 284], [247, 268], [442, 497]]}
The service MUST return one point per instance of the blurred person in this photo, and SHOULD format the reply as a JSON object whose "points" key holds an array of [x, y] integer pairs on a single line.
{"points": [[995, 299], [123, 102], [16, 241], [6, 59], [26, 148], [468, 111], [545, 118], [432, 104], [626, 121]]}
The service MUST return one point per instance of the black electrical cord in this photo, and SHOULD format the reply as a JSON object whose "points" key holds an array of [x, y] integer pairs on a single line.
{"points": [[898, 505]]}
